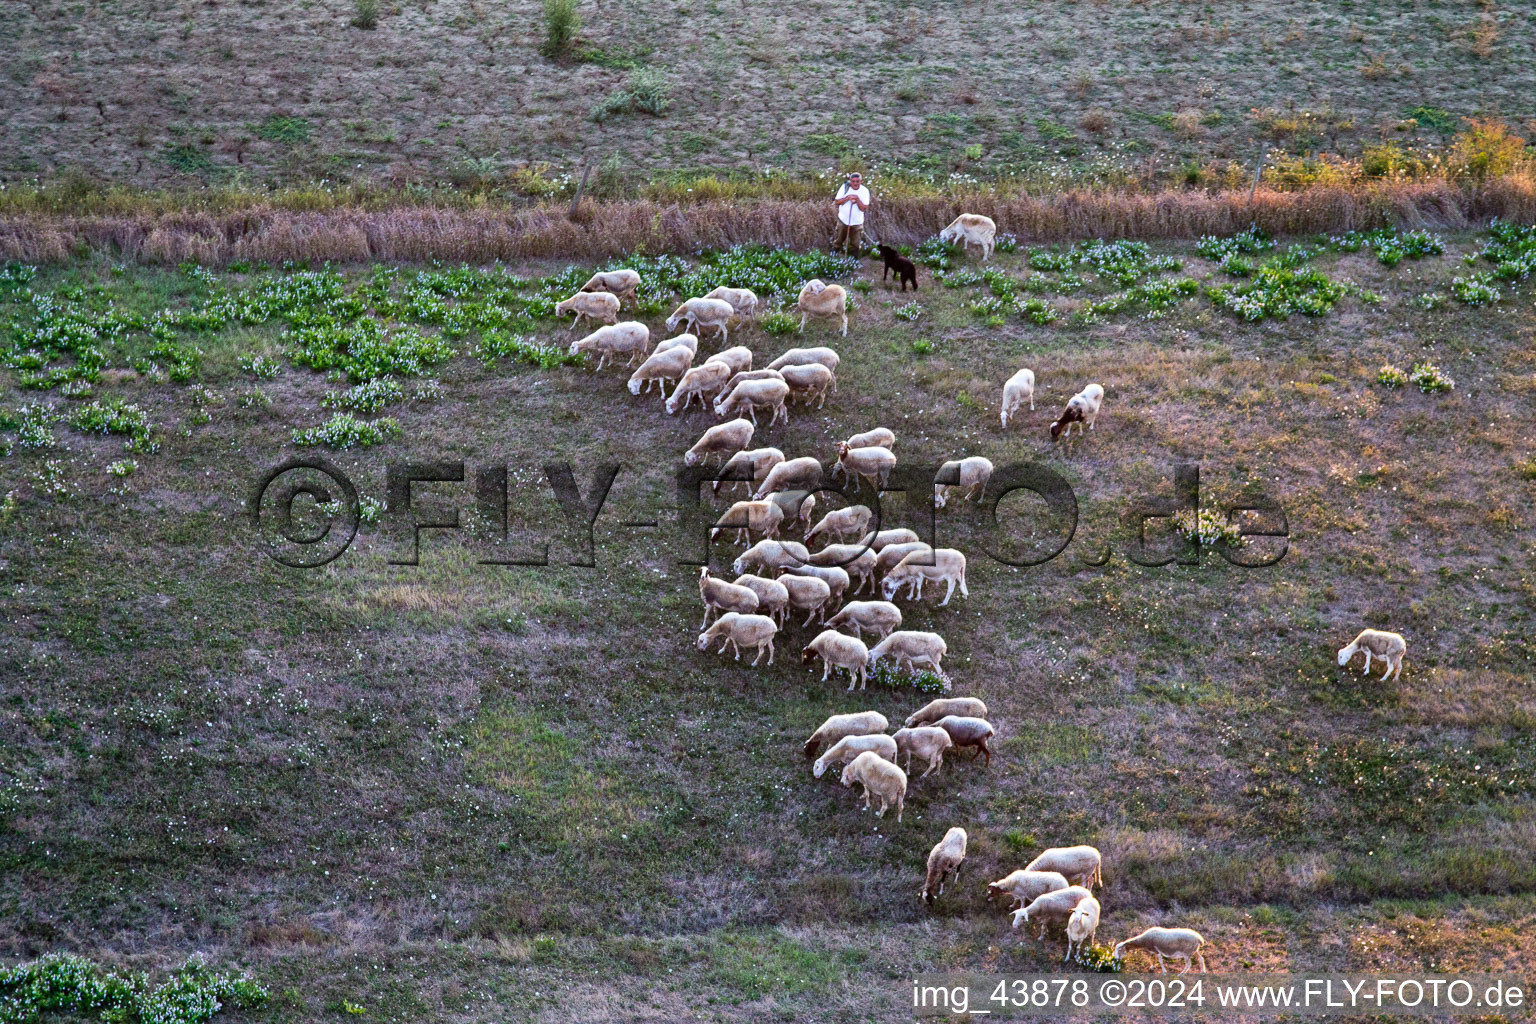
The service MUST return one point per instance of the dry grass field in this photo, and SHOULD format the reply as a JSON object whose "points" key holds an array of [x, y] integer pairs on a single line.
{"points": [[465, 792]]}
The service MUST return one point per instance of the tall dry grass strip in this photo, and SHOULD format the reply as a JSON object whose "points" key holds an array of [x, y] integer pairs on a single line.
{"points": [[598, 230]]}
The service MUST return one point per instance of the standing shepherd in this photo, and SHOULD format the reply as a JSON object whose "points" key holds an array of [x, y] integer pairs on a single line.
{"points": [[852, 200]]}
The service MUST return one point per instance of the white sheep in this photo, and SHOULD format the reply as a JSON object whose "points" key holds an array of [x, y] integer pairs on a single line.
{"points": [[879, 617], [809, 382], [807, 594], [1021, 887], [602, 306], [772, 598], [1177, 943], [878, 542], [702, 382], [1019, 389], [737, 357], [748, 468], [747, 518], [1082, 926], [860, 464], [880, 778], [630, 337], [764, 374], [1051, 906], [742, 300], [720, 596], [838, 650], [969, 475], [892, 555], [850, 747], [771, 554], [737, 631], [684, 340], [753, 395], [943, 860], [659, 368], [796, 505], [880, 437], [852, 521], [1082, 408], [927, 742], [1081, 865], [858, 723], [820, 354], [802, 474], [824, 301], [943, 565], [702, 313], [1389, 647], [934, 710], [621, 283], [720, 439], [909, 648], [854, 559], [972, 229]]}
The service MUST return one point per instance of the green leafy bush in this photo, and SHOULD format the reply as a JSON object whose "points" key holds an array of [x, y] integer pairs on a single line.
{"points": [[1390, 376], [910, 312], [495, 345], [561, 23], [1475, 290], [345, 430], [73, 985], [368, 397], [1430, 379], [111, 415], [1252, 240], [780, 322]]}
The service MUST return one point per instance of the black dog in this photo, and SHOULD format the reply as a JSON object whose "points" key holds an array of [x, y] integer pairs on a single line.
{"points": [[905, 268]]}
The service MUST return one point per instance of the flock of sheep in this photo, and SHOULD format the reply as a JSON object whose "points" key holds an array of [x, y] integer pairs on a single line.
{"points": [[778, 578]]}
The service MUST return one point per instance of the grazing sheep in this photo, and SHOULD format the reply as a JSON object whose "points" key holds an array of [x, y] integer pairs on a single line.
{"points": [[810, 381], [969, 732], [838, 650], [943, 860], [1082, 926], [824, 301], [684, 340], [806, 356], [771, 554], [702, 382], [749, 468], [860, 464], [1178, 943], [729, 437], [909, 648], [834, 577], [660, 368], [701, 313], [880, 437], [850, 747], [621, 283], [879, 617], [597, 305], [878, 542], [1051, 906], [927, 742], [854, 559], [1023, 886], [802, 474], [631, 337], [948, 567], [742, 300], [730, 385], [906, 270], [880, 778], [1081, 865], [1082, 408], [972, 229], [852, 521], [970, 707], [749, 517], [969, 475], [858, 723], [750, 396], [892, 555], [808, 594], [1019, 389], [796, 505], [772, 598], [1389, 647], [720, 596], [738, 631], [737, 357]]}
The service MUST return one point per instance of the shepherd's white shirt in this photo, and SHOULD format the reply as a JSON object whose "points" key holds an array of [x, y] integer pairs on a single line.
{"points": [[850, 213]]}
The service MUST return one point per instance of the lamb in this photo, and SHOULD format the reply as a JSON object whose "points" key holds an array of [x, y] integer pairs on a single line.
{"points": [[859, 723], [720, 596], [824, 301], [1051, 906], [1081, 865], [1082, 407], [731, 437], [630, 337], [702, 313], [772, 598], [879, 617], [879, 777], [927, 742], [807, 593], [969, 475], [1178, 943], [684, 340], [602, 306], [910, 648], [771, 554], [852, 521], [860, 464], [702, 382], [972, 229], [1023, 886], [802, 474], [752, 395], [810, 381], [878, 542], [969, 707], [662, 366], [740, 631], [857, 561], [621, 283], [944, 565], [742, 300], [1019, 389], [838, 650], [850, 747], [749, 517], [906, 270], [806, 356], [1082, 926], [969, 732], [1389, 647], [880, 437], [737, 357], [943, 860]]}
